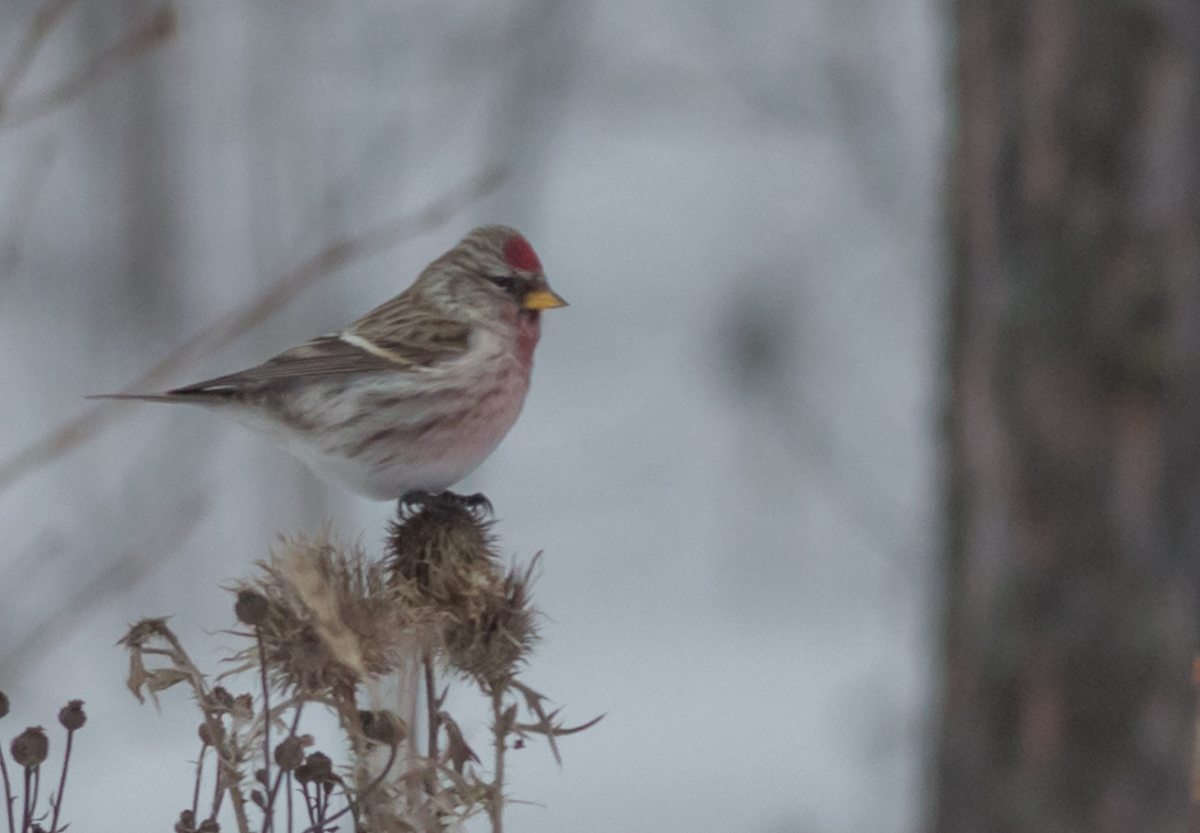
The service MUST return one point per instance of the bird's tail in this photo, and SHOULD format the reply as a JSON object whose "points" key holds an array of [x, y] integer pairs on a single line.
{"points": [[139, 397]]}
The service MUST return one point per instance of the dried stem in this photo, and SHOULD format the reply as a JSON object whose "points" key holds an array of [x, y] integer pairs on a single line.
{"points": [[199, 777], [266, 694], [37, 788], [308, 804], [62, 782], [279, 776], [218, 791], [356, 803], [431, 705], [30, 799], [500, 732], [8, 796], [239, 805], [290, 826], [346, 706], [227, 764]]}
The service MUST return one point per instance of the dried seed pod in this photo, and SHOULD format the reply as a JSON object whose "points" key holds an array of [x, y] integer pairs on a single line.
{"points": [[317, 769], [492, 629], [251, 607], [71, 716], [30, 747], [207, 731], [289, 754]]}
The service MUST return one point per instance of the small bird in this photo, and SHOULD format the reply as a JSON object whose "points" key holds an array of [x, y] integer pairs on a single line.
{"points": [[414, 395]]}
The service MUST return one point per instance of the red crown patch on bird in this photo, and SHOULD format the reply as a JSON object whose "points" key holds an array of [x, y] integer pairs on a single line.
{"points": [[520, 255]]}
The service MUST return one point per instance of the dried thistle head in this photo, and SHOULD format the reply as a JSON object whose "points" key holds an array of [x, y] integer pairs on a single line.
{"points": [[251, 607], [326, 616], [442, 555], [493, 630], [289, 754], [30, 748], [72, 716], [317, 769], [439, 544]]}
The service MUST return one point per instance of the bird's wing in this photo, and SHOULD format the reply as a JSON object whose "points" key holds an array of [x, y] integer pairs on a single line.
{"points": [[323, 357], [349, 353], [404, 334], [410, 330]]}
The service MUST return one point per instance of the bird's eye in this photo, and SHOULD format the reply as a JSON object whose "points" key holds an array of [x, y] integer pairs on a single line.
{"points": [[509, 284]]}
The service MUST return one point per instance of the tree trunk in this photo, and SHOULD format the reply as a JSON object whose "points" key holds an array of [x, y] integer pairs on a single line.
{"points": [[1073, 430]]}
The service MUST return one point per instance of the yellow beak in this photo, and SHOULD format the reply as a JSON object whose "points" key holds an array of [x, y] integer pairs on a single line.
{"points": [[542, 299]]}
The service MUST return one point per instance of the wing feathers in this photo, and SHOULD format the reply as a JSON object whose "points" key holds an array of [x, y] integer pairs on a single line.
{"points": [[401, 335], [324, 356], [330, 356]]}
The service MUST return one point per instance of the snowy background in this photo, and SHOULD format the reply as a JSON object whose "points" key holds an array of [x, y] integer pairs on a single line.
{"points": [[727, 454]]}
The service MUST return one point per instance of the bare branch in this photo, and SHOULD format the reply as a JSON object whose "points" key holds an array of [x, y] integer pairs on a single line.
{"points": [[159, 27], [44, 21]]}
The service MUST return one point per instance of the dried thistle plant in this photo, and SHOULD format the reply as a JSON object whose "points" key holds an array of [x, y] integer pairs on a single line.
{"points": [[29, 751], [442, 555], [325, 624], [328, 618]]}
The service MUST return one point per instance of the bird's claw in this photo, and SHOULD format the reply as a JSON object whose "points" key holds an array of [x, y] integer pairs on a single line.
{"points": [[477, 502], [417, 501]]}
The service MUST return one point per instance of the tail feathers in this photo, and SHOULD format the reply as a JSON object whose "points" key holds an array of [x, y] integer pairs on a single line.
{"points": [[140, 397], [197, 394]]}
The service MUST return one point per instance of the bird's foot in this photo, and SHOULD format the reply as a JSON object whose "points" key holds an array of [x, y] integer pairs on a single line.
{"points": [[411, 503], [477, 502], [415, 501]]}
